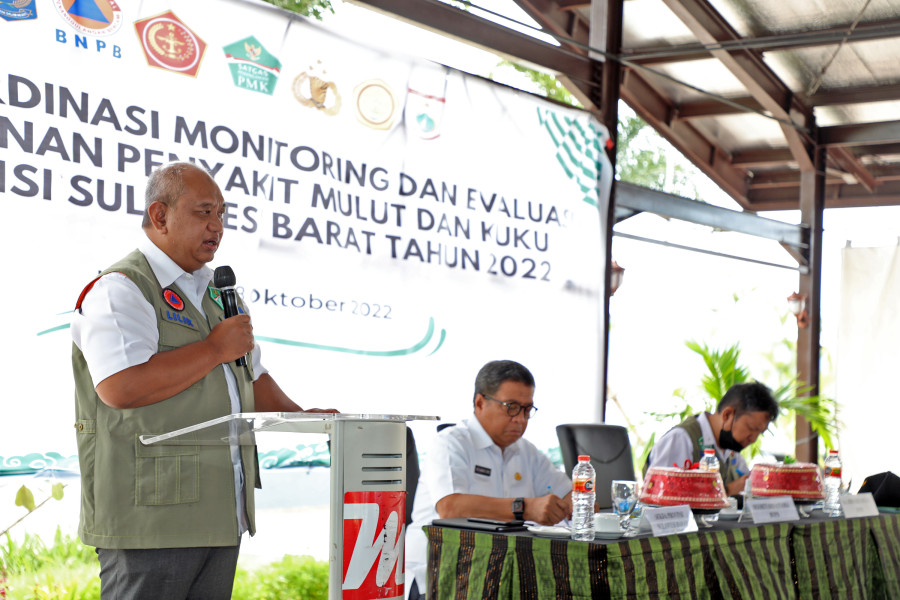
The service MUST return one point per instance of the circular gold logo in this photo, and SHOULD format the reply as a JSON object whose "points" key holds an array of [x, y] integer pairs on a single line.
{"points": [[376, 105]]}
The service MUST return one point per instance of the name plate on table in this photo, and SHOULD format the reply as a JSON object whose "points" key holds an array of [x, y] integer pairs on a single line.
{"points": [[772, 510], [667, 520], [859, 505]]}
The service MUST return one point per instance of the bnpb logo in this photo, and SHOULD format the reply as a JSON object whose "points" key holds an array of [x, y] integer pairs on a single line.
{"points": [[95, 17], [374, 531]]}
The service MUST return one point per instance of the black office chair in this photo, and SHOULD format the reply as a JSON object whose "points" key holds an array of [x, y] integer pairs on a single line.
{"points": [[608, 447], [412, 473], [412, 469]]}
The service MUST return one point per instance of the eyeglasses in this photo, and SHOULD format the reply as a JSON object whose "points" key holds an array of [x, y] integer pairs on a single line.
{"points": [[513, 409]]}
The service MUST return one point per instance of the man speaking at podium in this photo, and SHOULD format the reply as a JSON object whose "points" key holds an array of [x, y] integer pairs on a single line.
{"points": [[154, 352]]}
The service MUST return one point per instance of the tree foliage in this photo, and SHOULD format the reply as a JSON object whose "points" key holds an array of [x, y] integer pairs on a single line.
{"points": [[723, 369], [548, 84], [67, 569], [643, 158], [308, 8], [793, 396]]}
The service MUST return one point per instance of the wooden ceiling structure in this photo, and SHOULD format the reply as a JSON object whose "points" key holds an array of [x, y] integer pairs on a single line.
{"points": [[784, 105]]}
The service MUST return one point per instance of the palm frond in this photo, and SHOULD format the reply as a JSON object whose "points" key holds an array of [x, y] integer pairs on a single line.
{"points": [[725, 370], [723, 366]]}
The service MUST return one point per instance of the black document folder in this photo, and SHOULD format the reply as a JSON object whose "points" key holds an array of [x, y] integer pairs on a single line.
{"points": [[481, 524]]}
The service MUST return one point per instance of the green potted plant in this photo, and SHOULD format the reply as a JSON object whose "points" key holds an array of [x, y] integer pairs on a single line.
{"points": [[724, 370]]}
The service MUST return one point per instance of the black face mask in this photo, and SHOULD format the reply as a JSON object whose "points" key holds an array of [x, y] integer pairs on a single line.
{"points": [[727, 441]]}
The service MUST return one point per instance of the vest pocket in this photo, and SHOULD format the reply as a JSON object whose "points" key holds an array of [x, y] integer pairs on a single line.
{"points": [[88, 426], [174, 334], [86, 439], [166, 474]]}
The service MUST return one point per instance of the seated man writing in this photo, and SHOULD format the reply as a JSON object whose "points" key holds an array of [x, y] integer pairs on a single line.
{"points": [[743, 413], [482, 468]]}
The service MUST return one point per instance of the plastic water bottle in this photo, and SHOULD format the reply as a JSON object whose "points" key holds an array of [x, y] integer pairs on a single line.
{"points": [[583, 496], [709, 461], [832, 506]]}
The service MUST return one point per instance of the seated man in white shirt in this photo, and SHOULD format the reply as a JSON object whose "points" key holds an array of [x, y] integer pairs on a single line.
{"points": [[482, 468], [743, 414]]}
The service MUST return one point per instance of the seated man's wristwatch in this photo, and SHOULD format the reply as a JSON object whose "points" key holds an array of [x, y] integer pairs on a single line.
{"points": [[518, 508]]}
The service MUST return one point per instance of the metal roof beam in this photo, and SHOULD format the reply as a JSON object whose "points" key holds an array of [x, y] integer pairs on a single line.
{"points": [[763, 157], [772, 43], [884, 173], [557, 19], [657, 112], [715, 108], [861, 134], [855, 95], [772, 94], [573, 4], [786, 179], [834, 97], [651, 106], [878, 149], [836, 196], [849, 163], [767, 158], [447, 20], [791, 177], [640, 199]]}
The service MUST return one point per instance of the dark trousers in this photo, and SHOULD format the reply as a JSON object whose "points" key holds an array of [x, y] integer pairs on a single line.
{"points": [[414, 592], [170, 573]]}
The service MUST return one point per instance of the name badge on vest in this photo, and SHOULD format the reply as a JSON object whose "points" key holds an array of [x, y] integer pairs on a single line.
{"points": [[216, 296], [173, 313], [479, 470]]}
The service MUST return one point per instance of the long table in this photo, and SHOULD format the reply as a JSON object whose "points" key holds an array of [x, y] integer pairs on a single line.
{"points": [[816, 558]]}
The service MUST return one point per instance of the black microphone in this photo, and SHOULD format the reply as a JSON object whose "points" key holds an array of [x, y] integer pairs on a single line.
{"points": [[224, 279]]}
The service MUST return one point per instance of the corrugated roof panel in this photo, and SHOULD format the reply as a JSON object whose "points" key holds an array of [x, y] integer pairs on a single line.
{"points": [[737, 132], [864, 64], [871, 112], [708, 75], [751, 18], [835, 60], [649, 24]]}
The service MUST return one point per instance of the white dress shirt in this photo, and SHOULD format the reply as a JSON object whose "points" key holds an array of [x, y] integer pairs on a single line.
{"points": [[465, 460], [116, 328], [676, 446]]}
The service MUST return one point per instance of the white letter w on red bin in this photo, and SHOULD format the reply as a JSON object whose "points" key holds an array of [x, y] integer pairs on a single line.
{"points": [[386, 547]]}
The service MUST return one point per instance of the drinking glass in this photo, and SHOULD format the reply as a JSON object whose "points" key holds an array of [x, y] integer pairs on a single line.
{"points": [[624, 496], [705, 519]]}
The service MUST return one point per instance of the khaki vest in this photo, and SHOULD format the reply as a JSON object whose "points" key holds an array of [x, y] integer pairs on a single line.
{"points": [[692, 426], [160, 496]]}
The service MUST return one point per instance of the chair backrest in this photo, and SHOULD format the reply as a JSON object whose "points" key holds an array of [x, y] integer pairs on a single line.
{"points": [[608, 447], [412, 473]]}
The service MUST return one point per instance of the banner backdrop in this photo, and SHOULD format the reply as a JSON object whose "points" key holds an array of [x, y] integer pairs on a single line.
{"points": [[867, 333], [393, 223]]}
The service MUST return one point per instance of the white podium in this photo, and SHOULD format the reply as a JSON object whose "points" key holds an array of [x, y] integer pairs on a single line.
{"points": [[368, 489]]}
